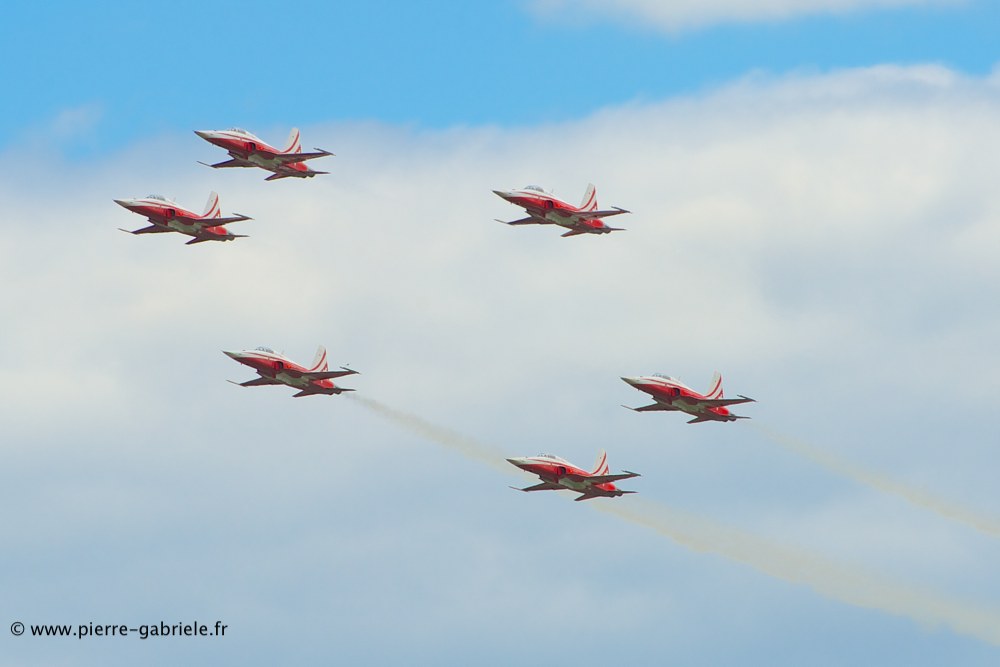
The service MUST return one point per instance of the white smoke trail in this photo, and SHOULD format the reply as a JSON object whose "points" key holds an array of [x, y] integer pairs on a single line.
{"points": [[833, 580], [830, 579], [918, 497], [465, 445]]}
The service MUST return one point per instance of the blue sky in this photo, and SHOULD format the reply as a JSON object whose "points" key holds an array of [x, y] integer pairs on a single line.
{"points": [[432, 64], [815, 214]]}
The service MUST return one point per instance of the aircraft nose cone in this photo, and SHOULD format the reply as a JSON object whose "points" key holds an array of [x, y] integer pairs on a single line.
{"points": [[231, 354], [204, 134], [123, 202], [631, 380], [500, 193], [516, 461]]}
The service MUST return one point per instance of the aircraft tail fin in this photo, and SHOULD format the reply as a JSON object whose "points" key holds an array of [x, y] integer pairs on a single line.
{"points": [[601, 466], [715, 388], [294, 145], [212, 209], [319, 362], [589, 202]]}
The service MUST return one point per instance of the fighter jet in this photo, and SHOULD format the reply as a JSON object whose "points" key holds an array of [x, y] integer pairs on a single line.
{"points": [[167, 216], [545, 209], [557, 473], [274, 368], [672, 394], [249, 150]]}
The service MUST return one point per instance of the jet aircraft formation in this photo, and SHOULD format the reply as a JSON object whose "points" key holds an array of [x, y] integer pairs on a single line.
{"points": [[246, 150]]}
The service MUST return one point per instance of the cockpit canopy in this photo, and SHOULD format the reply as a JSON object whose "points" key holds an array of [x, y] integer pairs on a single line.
{"points": [[157, 197], [552, 457], [665, 377], [263, 348], [535, 188], [246, 134]]}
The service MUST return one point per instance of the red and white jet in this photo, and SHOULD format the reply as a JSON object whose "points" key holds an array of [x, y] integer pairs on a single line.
{"points": [[249, 150], [274, 368], [672, 394], [167, 216], [557, 473], [545, 209]]}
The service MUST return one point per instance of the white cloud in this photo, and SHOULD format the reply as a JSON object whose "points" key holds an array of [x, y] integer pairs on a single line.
{"points": [[77, 122], [687, 14], [828, 242]]}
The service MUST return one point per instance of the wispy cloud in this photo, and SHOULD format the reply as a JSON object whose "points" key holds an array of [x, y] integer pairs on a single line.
{"points": [[77, 122], [829, 242], [689, 14]]}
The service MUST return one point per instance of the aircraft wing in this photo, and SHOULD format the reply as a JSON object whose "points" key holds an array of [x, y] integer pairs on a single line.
{"points": [[152, 229], [203, 239], [650, 408], [235, 162], [530, 220], [289, 158], [544, 486], [592, 494], [715, 402], [603, 479], [589, 215], [320, 375], [214, 222], [256, 382]]}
